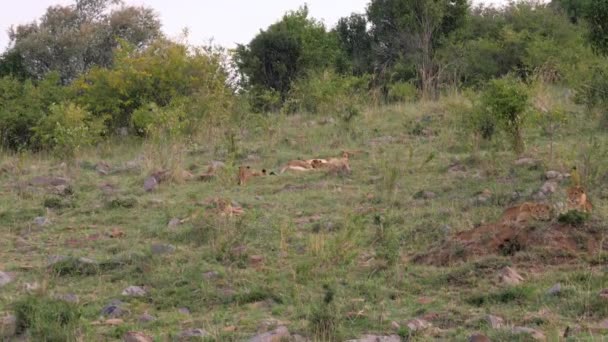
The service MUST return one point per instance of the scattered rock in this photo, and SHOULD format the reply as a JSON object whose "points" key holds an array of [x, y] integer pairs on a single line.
{"points": [[256, 261], [556, 176], [395, 325], [108, 189], [509, 276], [457, 168], [103, 168], [193, 333], [150, 184], [495, 322], [174, 223], [42, 221], [184, 311], [549, 188], [418, 324], [531, 162], [427, 195], [556, 290], [134, 291], [159, 249], [377, 338], [70, 298], [536, 334], [135, 336], [8, 326], [31, 287], [146, 318], [114, 309], [210, 275], [278, 334], [479, 338], [5, 278]]}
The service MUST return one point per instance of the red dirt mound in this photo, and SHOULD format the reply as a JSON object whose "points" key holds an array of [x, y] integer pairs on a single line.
{"points": [[554, 242]]}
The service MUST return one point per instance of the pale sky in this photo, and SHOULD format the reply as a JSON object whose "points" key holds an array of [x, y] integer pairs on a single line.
{"points": [[226, 21]]}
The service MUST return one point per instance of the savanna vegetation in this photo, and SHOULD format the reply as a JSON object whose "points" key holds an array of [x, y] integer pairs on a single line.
{"points": [[121, 217]]}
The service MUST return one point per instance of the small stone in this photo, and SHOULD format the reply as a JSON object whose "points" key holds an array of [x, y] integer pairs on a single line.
{"points": [[555, 290], [210, 275], [527, 162], [69, 298], [8, 326], [114, 309], [549, 188], [377, 338], [427, 195], [509, 276], [158, 249], [553, 175], [479, 338], [184, 311], [174, 223], [495, 322], [150, 184], [256, 261], [278, 334], [536, 334], [395, 325], [193, 333], [146, 318], [134, 291], [5, 279], [42, 221], [134, 336], [418, 324], [31, 287], [103, 168]]}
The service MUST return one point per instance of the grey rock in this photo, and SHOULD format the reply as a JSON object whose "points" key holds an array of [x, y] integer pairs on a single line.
{"points": [[174, 223], [150, 184], [549, 188], [114, 309], [42, 221], [134, 291], [535, 334], [184, 311], [5, 279], [527, 162], [377, 338], [136, 336], [70, 298], [556, 290], [509, 276], [495, 322], [193, 333], [210, 275], [159, 249], [146, 318], [278, 334], [418, 324]]}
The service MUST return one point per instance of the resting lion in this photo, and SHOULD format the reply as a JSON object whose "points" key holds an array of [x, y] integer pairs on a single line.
{"points": [[526, 212], [577, 199], [246, 173]]}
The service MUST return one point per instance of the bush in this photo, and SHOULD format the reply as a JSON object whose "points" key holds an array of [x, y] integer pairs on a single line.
{"points": [[326, 92], [264, 100], [67, 129], [594, 92], [503, 104], [166, 121], [402, 92], [47, 319]]}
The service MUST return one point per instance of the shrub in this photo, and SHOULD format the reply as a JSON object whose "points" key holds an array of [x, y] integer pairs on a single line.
{"points": [[594, 92], [264, 100], [402, 92], [326, 92], [47, 319], [168, 121], [503, 104], [67, 128]]}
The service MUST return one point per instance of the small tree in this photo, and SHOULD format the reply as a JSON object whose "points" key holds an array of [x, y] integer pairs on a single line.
{"points": [[506, 101]]}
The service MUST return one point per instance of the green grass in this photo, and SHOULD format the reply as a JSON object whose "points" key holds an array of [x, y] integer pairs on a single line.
{"points": [[352, 236]]}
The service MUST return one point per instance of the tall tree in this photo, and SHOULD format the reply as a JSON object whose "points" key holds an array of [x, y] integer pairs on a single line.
{"points": [[72, 39], [286, 50], [355, 43], [414, 29], [597, 16]]}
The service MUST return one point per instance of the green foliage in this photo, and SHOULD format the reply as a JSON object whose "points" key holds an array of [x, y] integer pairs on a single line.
{"points": [[402, 92], [70, 40], [574, 218], [47, 319], [167, 121], [160, 74], [67, 128], [22, 105], [504, 104], [597, 16], [355, 45], [285, 51], [593, 92], [326, 92]]}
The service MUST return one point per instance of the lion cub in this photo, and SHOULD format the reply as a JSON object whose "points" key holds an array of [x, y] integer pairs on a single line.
{"points": [[577, 199], [297, 165], [246, 173], [526, 212]]}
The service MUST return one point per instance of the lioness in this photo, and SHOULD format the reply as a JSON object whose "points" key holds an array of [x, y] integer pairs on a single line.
{"points": [[246, 173], [526, 212], [577, 199], [297, 165]]}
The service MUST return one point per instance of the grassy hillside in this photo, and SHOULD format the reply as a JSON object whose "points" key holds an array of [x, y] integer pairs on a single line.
{"points": [[330, 257]]}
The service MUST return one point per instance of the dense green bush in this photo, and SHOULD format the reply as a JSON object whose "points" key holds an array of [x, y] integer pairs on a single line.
{"points": [[593, 92], [67, 128], [402, 92], [503, 104], [47, 319], [326, 92]]}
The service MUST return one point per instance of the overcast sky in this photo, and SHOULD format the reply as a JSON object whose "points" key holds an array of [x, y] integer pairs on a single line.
{"points": [[226, 21]]}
